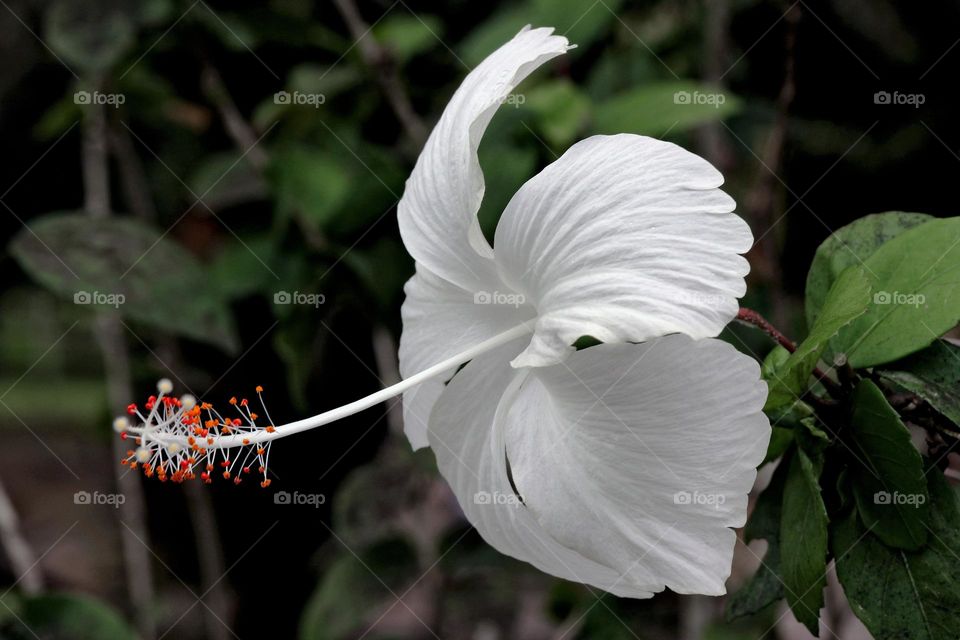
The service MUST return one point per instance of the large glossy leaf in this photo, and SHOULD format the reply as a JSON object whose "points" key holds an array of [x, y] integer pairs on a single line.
{"points": [[803, 540], [664, 107], [934, 375], [889, 483], [916, 298], [901, 594], [122, 264], [849, 298], [852, 245]]}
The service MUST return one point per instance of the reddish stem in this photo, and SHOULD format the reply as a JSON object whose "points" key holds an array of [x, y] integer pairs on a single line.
{"points": [[751, 317]]}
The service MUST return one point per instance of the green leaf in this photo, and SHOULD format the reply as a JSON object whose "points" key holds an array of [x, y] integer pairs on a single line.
{"points": [[122, 264], [238, 268], [780, 440], [658, 108], [73, 616], [561, 110], [916, 298], [407, 35], [353, 586], [329, 81], [852, 245], [934, 375], [848, 299], [803, 540], [582, 23], [889, 486], [309, 182], [505, 168], [902, 594], [765, 587], [383, 268], [773, 362], [93, 36]]}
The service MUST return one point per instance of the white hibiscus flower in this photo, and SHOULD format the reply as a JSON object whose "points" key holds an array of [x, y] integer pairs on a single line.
{"points": [[623, 465]]}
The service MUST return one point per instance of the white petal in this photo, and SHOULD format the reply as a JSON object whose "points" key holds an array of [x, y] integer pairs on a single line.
{"points": [[624, 238], [440, 320], [605, 448], [438, 211]]}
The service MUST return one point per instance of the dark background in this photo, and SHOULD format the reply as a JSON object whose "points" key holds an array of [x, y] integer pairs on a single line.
{"points": [[309, 206]]}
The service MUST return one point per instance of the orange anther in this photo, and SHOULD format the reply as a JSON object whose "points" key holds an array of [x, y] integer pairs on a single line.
{"points": [[259, 389]]}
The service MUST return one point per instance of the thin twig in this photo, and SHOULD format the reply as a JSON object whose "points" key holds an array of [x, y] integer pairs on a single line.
{"points": [[116, 359], [220, 601], [761, 199], [714, 145], [385, 355], [22, 560], [379, 60], [751, 317], [242, 133], [133, 179]]}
